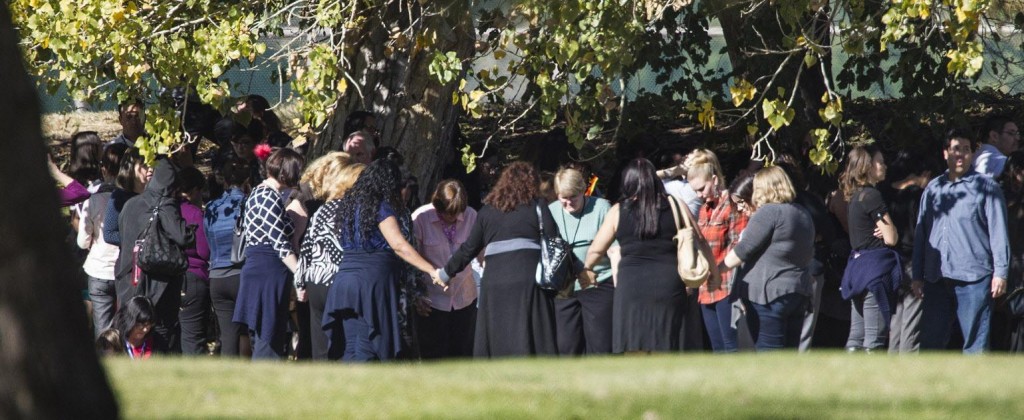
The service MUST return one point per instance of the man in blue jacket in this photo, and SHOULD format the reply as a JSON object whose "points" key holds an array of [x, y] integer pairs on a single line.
{"points": [[961, 250]]}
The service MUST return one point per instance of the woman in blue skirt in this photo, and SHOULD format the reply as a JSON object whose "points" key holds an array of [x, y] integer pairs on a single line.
{"points": [[262, 303], [363, 301]]}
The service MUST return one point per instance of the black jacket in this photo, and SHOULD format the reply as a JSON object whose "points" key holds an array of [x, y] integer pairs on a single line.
{"points": [[133, 221]]}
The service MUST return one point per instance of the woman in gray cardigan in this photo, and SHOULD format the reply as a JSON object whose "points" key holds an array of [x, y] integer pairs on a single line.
{"points": [[776, 247]]}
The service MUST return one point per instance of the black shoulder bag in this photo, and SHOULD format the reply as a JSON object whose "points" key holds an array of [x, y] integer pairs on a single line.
{"points": [[158, 255], [554, 266]]}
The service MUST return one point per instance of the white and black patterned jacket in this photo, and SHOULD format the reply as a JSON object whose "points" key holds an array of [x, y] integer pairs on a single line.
{"points": [[266, 222], [320, 254]]}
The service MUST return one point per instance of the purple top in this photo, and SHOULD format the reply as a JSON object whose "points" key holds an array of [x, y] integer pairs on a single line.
{"points": [[199, 255], [73, 193]]}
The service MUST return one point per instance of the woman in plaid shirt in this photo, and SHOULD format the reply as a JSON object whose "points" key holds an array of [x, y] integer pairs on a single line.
{"points": [[720, 222]]}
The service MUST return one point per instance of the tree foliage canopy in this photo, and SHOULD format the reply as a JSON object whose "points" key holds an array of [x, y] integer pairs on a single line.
{"points": [[566, 60]]}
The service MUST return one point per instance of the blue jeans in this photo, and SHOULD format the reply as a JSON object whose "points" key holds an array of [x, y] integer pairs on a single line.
{"points": [[358, 347], [778, 324], [970, 302], [272, 344], [718, 321]]}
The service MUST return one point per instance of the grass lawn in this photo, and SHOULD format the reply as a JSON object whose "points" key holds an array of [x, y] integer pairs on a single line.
{"points": [[823, 385]]}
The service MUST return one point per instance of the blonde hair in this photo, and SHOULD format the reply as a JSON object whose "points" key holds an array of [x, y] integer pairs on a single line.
{"points": [[569, 182], [705, 165], [344, 180], [321, 175], [772, 185]]}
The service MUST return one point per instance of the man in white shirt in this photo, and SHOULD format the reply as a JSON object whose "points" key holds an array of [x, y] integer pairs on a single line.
{"points": [[1000, 138]]}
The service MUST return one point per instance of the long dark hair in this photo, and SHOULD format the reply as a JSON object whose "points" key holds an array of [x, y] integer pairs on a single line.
{"points": [[139, 310], [86, 152], [111, 160], [379, 183], [1008, 180], [126, 175], [642, 191], [743, 188]]}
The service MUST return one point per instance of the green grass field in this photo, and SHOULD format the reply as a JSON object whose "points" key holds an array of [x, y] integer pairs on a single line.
{"points": [[824, 385]]}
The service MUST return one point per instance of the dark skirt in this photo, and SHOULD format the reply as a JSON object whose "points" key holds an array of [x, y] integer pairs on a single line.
{"points": [[515, 317], [366, 287], [263, 289], [648, 308]]}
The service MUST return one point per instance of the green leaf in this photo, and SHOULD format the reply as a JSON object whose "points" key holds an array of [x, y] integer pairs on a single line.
{"points": [[468, 158], [768, 107], [818, 156], [810, 60]]}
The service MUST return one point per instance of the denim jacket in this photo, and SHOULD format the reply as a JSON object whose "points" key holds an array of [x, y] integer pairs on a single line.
{"points": [[961, 230], [219, 222]]}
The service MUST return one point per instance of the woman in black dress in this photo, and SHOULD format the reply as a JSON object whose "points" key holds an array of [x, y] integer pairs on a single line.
{"points": [[515, 317], [649, 304]]}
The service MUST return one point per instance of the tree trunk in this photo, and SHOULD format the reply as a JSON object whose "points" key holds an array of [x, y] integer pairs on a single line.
{"points": [[414, 111], [48, 365], [745, 34]]}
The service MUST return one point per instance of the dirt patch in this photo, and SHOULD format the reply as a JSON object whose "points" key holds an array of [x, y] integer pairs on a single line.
{"points": [[58, 128]]}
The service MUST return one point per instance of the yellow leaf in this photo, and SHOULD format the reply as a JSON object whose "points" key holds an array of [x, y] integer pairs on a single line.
{"points": [[342, 86], [706, 116], [742, 91], [961, 15]]}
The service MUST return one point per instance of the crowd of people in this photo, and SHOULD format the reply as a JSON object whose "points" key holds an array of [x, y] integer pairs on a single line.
{"points": [[335, 259]]}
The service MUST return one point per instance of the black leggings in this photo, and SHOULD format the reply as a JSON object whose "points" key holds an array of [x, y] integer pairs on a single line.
{"points": [[195, 301], [234, 338], [316, 295]]}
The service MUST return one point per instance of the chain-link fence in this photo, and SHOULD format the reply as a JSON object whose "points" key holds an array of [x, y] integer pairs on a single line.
{"points": [[1003, 71], [265, 76]]}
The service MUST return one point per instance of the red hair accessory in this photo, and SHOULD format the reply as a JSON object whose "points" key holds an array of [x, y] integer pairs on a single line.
{"points": [[262, 151]]}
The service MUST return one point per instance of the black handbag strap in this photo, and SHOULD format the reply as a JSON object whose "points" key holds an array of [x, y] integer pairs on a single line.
{"points": [[540, 219], [153, 218], [240, 221]]}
